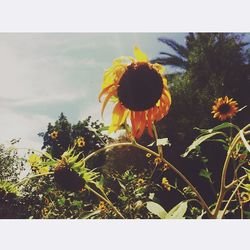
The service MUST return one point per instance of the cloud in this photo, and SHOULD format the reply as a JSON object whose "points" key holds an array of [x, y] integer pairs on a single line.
{"points": [[14, 125]]}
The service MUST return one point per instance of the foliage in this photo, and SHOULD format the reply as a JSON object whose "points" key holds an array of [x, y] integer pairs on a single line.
{"points": [[11, 165], [68, 135]]}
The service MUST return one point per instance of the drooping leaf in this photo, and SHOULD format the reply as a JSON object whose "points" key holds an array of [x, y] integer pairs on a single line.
{"points": [[178, 211], [200, 140], [157, 209], [205, 173]]}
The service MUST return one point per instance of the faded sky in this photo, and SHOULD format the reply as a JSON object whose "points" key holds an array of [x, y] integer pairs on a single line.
{"points": [[45, 74]]}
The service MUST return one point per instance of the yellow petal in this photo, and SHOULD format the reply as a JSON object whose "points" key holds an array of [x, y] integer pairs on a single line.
{"points": [[106, 100], [140, 56], [119, 116], [159, 68]]}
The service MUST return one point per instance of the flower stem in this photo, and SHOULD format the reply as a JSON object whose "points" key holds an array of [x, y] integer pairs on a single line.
{"points": [[159, 147], [106, 200]]}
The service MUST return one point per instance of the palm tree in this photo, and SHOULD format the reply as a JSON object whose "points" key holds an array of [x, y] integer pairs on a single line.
{"points": [[179, 59]]}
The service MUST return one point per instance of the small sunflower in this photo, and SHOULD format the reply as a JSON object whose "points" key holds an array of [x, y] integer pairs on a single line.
{"points": [[54, 135], [224, 108], [81, 142], [102, 206], [139, 90]]}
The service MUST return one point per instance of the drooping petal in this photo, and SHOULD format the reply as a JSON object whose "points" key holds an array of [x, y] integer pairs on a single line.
{"points": [[107, 99], [167, 93], [118, 117], [104, 91], [139, 55], [142, 125], [149, 122], [133, 124]]}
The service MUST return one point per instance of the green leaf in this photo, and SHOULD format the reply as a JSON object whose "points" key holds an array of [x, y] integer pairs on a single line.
{"points": [[122, 186], [178, 211], [198, 141], [205, 173], [156, 209], [225, 125], [61, 201]]}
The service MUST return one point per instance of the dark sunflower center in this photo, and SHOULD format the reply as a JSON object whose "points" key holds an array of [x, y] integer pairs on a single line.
{"points": [[224, 108], [140, 87], [68, 179]]}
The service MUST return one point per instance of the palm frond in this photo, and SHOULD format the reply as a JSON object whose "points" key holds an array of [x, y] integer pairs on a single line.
{"points": [[179, 49], [173, 61]]}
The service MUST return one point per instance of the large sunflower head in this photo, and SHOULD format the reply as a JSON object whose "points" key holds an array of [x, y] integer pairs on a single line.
{"points": [[224, 108], [139, 90]]}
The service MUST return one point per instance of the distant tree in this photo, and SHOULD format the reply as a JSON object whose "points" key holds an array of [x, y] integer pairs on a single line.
{"points": [[216, 64], [213, 65], [86, 136], [11, 165]]}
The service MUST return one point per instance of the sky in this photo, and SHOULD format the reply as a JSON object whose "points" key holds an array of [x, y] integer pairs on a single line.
{"points": [[44, 74]]}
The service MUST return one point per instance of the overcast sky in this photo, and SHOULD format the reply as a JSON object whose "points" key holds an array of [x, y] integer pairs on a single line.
{"points": [[42, 75]]}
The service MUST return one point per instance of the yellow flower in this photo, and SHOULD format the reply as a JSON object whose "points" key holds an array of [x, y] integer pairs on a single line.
{"points": [[54, 135], [245, 197], [224, 108], [139, 90], [34, 160], [165, 184], [102, 206], [140, 181], [157, 161], [81, 142]]}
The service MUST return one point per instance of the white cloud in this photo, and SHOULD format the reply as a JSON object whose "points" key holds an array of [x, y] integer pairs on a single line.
{"points": [[15, 125]]}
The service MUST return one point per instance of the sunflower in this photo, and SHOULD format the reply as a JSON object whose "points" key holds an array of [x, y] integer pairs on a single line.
{"points": [[81, 142], [54, 135], [139, 91], [224, 108]]}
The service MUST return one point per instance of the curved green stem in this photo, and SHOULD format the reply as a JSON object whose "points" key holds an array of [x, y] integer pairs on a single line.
{"points": [[106, 200]]}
